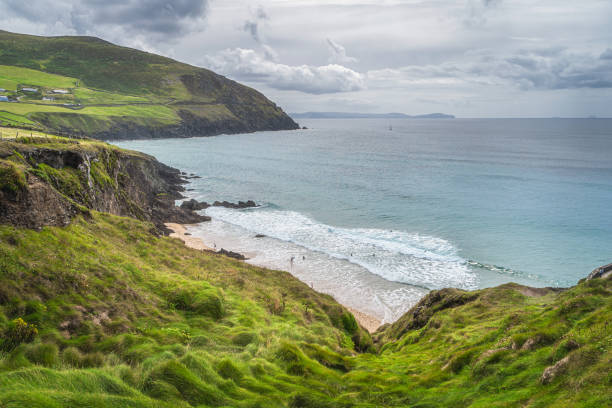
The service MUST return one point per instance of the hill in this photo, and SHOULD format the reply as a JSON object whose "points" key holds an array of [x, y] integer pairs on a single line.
{"points": [[87, 86], [99, 310], [353, 115]]}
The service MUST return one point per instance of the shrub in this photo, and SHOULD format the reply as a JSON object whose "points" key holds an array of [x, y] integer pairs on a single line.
{"points": [[18, 332], [72, 356], [93, 359], [45, 354]]}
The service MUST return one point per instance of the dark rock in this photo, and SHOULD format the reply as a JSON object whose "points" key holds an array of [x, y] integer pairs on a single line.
{"points": [[260, 236], [232, 254], [240, 205], [194, 205]]}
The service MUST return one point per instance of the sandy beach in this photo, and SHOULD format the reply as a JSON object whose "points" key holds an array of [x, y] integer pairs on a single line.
{"points": [[180, 232], [370, 323]]}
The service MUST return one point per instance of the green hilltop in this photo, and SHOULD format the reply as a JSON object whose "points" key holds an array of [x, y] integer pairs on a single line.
{"points": [[102, 311], [87, 86]]}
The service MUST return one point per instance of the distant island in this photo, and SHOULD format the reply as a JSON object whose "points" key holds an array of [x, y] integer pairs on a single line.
{"points": [[353, 115]]}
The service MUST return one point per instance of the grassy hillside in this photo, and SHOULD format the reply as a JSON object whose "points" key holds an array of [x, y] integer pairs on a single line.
{"points": [[103, 313], [109, 91]]}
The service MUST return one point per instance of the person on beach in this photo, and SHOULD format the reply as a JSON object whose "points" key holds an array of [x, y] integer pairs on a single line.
{"points": [[291, 261]]}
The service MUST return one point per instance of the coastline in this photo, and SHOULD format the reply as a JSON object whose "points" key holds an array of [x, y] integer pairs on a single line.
{"points": [[370, 323]]}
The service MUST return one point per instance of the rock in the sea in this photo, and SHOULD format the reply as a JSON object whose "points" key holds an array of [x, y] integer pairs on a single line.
{"points": [[194, 205], [240, 205], [260, 236], [232, 254]]}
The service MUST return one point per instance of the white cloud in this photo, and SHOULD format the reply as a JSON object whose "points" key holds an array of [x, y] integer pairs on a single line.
{"points": [[248, 65]]}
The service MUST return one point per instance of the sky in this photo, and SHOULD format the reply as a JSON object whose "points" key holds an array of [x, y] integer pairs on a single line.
{"points": [[471, 58]]}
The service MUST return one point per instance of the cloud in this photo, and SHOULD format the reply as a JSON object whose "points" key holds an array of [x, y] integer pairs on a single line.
{"points": [[477, 10], [158, 20], [251, 26], [248, 65], [549, 68], [607, 54], [338, 53]]}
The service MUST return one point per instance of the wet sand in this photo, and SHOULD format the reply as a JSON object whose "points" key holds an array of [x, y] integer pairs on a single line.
{"points": [[368, 322]]}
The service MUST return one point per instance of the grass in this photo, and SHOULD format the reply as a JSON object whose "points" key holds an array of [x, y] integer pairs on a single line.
{"points": [[147, 90], [125, 318], [17, 75]]}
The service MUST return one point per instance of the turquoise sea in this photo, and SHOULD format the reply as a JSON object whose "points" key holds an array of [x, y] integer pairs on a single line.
{"points": [[377, 212]]}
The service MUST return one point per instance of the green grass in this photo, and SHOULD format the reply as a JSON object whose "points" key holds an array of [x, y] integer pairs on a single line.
{"points": [[125, 318], [107, 74], [18, 75]]}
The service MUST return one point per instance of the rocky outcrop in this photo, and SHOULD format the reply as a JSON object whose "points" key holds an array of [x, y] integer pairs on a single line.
{"points": [[195, 205], [81, 176], [553, 371], [420, 314], [36, 205], [601, 272], [232, 254]]}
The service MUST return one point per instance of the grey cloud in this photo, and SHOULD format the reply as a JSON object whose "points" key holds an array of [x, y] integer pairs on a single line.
{"points": [[338, 53], [539, 69], [607, 54], [476, 11], [251, 26], [160, 19], [248, 65]]}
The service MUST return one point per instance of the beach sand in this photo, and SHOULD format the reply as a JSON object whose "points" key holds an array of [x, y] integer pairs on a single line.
{"points": [[368, 322], [191, 242]]}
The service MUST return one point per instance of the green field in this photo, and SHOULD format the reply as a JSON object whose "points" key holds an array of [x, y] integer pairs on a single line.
{"points": [[100, 75], [103, 313], [18, 75]]}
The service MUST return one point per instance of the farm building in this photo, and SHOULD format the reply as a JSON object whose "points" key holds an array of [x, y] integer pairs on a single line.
{"points": [[60, 91], [29, 89], [3, 98]]}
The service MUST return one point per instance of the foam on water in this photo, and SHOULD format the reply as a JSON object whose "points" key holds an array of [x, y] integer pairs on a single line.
{"points": [[397, 256]]}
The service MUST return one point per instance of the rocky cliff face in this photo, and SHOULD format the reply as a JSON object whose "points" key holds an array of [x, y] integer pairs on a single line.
{"points": [[49, 183]]}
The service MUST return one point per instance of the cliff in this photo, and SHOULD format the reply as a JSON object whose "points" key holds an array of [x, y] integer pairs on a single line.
{"points": [[48, 181]]}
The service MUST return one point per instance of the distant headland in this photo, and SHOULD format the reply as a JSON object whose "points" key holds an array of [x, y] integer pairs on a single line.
{"points": [[353, 115]]}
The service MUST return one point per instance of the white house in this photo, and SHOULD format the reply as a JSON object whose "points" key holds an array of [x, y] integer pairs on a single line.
{"points": [[29, 89], [48, 98], [60, 91], [2, 90]]}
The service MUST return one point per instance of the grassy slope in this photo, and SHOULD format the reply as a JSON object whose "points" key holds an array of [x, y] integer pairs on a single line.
{"points": [[128, 319], [108, 74]]}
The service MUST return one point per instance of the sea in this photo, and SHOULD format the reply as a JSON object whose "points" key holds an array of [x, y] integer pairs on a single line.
{"points": [[377, 212]]}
